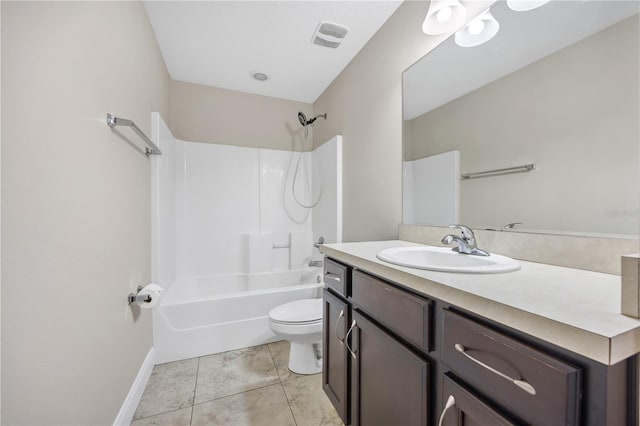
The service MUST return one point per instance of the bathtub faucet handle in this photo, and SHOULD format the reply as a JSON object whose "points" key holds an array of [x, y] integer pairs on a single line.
{"points": [[134, 297]]}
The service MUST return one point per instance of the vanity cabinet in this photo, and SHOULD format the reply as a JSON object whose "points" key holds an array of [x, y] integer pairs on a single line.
{"points": [[393, 356], [372, 373]]}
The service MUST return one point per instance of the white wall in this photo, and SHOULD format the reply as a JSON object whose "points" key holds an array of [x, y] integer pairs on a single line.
{"points": [[75, 207]]}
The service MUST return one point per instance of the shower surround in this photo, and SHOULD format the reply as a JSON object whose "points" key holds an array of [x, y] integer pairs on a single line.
{"points": [[229, 242]]}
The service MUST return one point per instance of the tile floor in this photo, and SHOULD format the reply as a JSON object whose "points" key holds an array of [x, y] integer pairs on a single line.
{"points": [[251, 386]]}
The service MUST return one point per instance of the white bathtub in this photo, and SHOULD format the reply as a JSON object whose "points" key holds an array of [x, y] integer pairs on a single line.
{"points": [[206, 315]]}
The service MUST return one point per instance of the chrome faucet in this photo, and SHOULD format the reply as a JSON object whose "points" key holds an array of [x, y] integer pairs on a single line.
{"points": [[466, 244], [315, 263], [318, 243]]}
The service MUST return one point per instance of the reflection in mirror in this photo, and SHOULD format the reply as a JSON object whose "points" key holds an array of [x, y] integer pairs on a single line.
{"points": [[556, 87]]}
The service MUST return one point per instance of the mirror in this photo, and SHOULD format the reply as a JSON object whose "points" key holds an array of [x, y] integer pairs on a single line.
{"points": [[556, 89]]}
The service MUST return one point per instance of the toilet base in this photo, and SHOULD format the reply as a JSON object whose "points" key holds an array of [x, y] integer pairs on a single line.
{"points": [[305, 358]]}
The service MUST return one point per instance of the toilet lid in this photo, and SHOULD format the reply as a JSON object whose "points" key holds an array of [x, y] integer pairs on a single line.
{"points": [[298, 311]]}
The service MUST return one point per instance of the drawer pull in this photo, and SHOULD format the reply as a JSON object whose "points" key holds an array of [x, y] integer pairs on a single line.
{"points": [[520, 383], [334, 277], [451, 401], [353, 354], [336, 328]]}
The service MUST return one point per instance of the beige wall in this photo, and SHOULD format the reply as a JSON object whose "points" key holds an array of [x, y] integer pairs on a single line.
{"points": [[364, 104], [575, 114], [208, 114], [75, 207]]}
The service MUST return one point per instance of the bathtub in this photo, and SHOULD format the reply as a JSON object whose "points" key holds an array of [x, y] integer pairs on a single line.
{"points": [[206, 315]]}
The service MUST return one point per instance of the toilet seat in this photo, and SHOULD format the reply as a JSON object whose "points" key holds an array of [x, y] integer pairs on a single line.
{"points": [[305, 311]]}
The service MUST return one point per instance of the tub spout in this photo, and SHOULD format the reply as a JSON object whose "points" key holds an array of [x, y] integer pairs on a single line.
{"points": [[315, 264]]}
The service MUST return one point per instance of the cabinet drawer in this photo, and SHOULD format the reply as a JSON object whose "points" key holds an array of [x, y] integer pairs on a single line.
{"points": [[468, 408], [336, 276], [546, 389], [407, 315]]}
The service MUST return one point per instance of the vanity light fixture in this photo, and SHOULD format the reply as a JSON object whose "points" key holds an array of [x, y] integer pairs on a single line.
{"points": [[480, 30], [443, 16], [525, 5]]}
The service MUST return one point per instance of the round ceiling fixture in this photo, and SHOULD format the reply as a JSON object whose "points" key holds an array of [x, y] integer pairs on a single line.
{"points": [[260, 76]]}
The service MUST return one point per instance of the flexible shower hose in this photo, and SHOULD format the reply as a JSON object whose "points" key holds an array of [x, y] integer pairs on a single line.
{"points": [[295, 178]]}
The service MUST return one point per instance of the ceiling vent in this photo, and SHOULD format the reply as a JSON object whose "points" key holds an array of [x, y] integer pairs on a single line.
{"points": [[329, 34]]}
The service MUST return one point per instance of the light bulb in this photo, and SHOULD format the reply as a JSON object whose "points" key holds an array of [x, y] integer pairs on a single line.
{"points": [[444, 14], [476, 27], [482, 29]]}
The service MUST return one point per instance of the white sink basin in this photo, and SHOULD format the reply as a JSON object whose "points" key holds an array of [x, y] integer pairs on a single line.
{"points": [[445, 260]]}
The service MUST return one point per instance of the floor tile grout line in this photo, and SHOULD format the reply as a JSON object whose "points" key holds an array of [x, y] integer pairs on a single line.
{"points": [[273, 359], [216, 353], [289, 404], [253, 389], [293, 376], [158, 414], [195, 389], [237, 393]]}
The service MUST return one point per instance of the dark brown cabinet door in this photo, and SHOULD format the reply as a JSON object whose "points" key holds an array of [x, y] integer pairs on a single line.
{"points": [[467, 409], [335, 361], [390, 384]]}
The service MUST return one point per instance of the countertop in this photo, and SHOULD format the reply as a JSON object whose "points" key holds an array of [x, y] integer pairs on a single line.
{"points": [[575, 309]]}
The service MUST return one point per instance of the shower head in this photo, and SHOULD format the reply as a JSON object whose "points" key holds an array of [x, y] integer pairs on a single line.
{"points": [[303, 118]]}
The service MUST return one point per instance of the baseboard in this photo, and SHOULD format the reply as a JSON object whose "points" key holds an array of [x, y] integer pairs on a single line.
{"points": [[132, 400]]}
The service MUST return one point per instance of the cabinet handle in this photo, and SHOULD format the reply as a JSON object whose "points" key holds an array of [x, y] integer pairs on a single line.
{"points": [[332, 276], [520, 383], [451, 401], [336, 328], [353, 354]]}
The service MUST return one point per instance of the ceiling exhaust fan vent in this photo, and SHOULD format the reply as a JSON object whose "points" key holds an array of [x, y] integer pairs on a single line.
{"points": [[329, 34]]}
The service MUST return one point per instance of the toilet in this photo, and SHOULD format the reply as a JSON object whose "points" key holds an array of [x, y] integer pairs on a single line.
{"points": [[300, 322]]}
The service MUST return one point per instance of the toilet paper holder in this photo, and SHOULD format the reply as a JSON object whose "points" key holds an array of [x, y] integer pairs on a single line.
{"points": [[131, 298]]}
